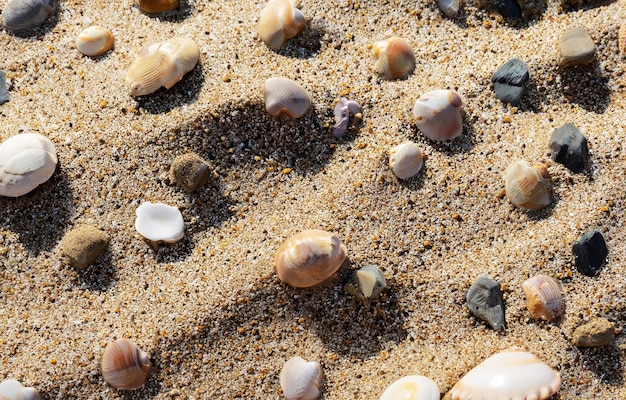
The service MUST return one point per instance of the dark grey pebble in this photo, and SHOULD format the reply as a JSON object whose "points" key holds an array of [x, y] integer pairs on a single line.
{"points": [[508, 8], [509, 80], [4, 93], [569, 147], [590, 253], [485, 301]]}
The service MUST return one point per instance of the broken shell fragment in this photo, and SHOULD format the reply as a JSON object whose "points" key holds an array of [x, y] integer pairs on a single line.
{"points": [[280, 20], [26, 161], [309, 258], [160, 222], [342, 112], [83, 244], [371, 281], [13, 390], [507, 376], [189, 171], [25, 14], [406, 160], [528, 186], [158, 6], [284, 97], [394, 58], [301, 380], [162, 64], [597, 332], [485, 301], [438, 115], [94, 41], [412, 387], [124, 365], [543, 297]]}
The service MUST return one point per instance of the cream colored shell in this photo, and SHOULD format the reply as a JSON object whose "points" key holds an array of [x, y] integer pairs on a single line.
{"points": [[394, 58], [438, 115], [162, 64], [301, 379], [543, 297], [124, 365], [412, 387], [13, 390], [405, 160], [528, 186], [285, 97], [280, 20], [94, 41]]}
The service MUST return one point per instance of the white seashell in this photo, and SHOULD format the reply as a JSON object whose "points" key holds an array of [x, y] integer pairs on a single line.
{"points": [[412, 387], [301, 380], [528, 186], [124, 365], [543, 297], [94, 41], [13, 390], [26, 161], [394, 58], [438, 115], [285, 97], [510, 375], [405, 160], [160, 222], [25, 14], [280, 20]]}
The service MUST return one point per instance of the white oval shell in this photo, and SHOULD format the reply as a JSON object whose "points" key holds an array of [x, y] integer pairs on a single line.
{"points": [[510, 375], [94, 41], [438, 115], [543, 297], [405, 160], [528, 186], [160, 222], [301, 380], [412, 387], [13, 390], [26, 161]]}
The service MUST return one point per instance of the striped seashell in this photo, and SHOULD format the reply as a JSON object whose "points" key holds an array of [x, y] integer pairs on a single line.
{"points": [[528, 186], [285, 97], [543, 297], [124, 365]]}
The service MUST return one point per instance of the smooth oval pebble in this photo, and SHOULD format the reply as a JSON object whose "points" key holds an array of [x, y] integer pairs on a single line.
{"points": [[371, 281], [508, 8], [577, 47], [160, 222], [124, 365], [394, 58], [25, 14], [301, 379], [83, 244], [597, 332], [528, 186], [590, 253], [158, 6], [484, 299], [189, 171], [13, 390], [509, 80], [438, 115], [405, 160], [94, 41], [412, 387], [569, 147], [543, 297], [280, 20], [26, 161], [285, 97], [449, 8]]}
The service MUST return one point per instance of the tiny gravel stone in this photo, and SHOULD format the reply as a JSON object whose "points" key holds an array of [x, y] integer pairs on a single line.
{"points": [[508, 81], [597, 332], [4, 93], [569, 147], [508, 8], [83, 244], [590, 252], [450, 8], [577, 47]]}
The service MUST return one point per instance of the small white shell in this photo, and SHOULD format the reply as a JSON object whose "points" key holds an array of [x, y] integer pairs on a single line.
{"points": [[394, 58], [438, 115], [280, 20], [301, 380], [543, 297], [25, 14], [509, 375], [13, 390], [26, 161], [405, 160], [412, 387], [160, 222], [94, 41], [528, 186], [124, 365], [371, 281], [285, 97]]}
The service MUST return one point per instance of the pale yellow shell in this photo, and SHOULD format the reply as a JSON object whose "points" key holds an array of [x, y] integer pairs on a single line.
{"points": [[284, 97], [528, 186], [124, 365], [394, 58], [162, 64], [94, 41], [543, 297], [280, 20]]}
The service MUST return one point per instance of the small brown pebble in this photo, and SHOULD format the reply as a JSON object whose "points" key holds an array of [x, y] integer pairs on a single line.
{"points": [[596, 332], [189, 171], [83, 244], [621, 40]]}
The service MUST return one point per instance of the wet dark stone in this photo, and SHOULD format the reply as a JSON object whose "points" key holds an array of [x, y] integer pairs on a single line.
{"points": [[508, 8], [569, 147], [485, 301], [509, 80], [4, 93], [590, 252]]}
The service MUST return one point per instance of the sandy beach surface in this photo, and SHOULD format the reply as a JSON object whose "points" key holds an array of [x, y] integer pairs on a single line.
{"points": [[210, 310]]}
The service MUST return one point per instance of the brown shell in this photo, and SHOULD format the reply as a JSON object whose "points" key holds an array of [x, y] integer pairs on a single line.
{"points": [[284, 97], [124, 365], [543, 297], [158, 6], [280, 20], [528, 186], [394, 58]]}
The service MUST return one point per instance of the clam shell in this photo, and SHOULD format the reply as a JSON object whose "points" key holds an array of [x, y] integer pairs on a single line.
{"points": [[309, 257], [510, 375], [371, 281], [438, 115], [543, 297], [162, 64], [124, 365], [13, 390], [158, 6], [405, 160], [412, 387], [394, 58], [301, 380], [25, 14], [26, 161], [94, 41], [160, 222], [284, 97], [280, 20], [528, 186], [485, 301]]}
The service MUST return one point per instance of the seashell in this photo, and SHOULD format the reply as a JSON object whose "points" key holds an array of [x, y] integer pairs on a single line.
{"points": [[543, 297], [124, 365], [450, 8], [405, 160], [13, 390], [309, 257], [160, 222], [158, 6], [189, 171], [412, 387], [342, 112], [4, 92], [26, 161], [280, 20], [94, 41], [83, 244], [284, 97], [25, 14], [484, 300], [597, 332], [528, 186], [301, 380], [162, 64], [371, 281], [509, 375], [438, 115], [394, 58]]}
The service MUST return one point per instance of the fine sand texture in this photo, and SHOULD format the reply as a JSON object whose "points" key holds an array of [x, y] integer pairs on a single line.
{"points": [[209, 310]]}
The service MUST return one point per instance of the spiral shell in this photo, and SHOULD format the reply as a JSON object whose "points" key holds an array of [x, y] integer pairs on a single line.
{"points": [[528, 186], [25, 14], [13, 390], [284, 97], [301, 380], [394, 58], [438, 115], [124, 365], [543, 297], [94, 41], [280, 20]]}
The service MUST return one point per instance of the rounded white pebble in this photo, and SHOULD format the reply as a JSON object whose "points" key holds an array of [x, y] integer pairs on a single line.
{"points": [[160, 222], [405, 160], [94, 41], [412, 387]]}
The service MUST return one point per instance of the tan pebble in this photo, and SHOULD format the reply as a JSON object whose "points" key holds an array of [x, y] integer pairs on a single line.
{"points": [[577, 47], [158, 6], [597, 332], [528, 186], [83, 244], [189, 171], [284, 97], [280, 20], [94, 41], [124, 365], [405, 160], [543, 297], [394, 58]]}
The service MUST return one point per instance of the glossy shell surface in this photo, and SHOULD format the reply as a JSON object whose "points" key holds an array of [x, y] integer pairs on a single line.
{"points": [[485, 301], [543, 297], [285, 97], [406, 160], [25, 14], [124, 365], [528, 186], [301, 379], [412, 387], [159, 222], [13, 390], [394, 58], [94, 41], [280, 20], [438, 115]]}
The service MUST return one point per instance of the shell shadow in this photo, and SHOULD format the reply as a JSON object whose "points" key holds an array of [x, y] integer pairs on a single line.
{"points": [[304, 45], [587, 87], [584, 5], [462, 144], [605, 362], [100, 275]]}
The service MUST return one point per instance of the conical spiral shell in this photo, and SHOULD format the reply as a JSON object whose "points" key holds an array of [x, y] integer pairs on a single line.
{"points": [[528, 186], [124, 365], [13, 390], [280, 20], [543, 297]]}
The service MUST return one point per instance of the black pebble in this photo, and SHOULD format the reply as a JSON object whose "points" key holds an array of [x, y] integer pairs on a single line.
{"points": [[590, 252], [509, 80], [569, 147], [508, 8], [485, 301], [4, 94]]}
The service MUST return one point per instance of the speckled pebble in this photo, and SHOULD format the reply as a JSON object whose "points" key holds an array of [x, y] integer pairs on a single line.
{"points": [[189, 171], [597, 332], [509, 80], [577, 47], [590, 252], [83, 244], [569, 147]]}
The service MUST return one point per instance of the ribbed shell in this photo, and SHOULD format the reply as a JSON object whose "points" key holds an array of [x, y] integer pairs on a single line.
{"points": [[13, 390], [438, 115], [543, 297], [25, 14], [280, 20], [301, 380], [412, 387], [285, 97], [124, 365], [394, 58], [528, 186], [94, 41], [484, 300]]}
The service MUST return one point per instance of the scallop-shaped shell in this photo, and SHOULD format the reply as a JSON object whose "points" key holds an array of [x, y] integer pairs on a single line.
{"points": [[26, 161], [162, 64], [25, 14], [280, 20], [371, 281], [394, 58], [158, 6], [94, 41], [301, 380], [13, 390], [309, 257], [543, 297], [124, 365], [405, 160], [284, 97], [412, 387], [438, 115], [510, 375], [160, 222], [485, 301], [528, 186]]}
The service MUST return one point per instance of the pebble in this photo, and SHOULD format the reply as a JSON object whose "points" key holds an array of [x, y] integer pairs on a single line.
{"points": [[597, 332], [508, 8], [189, 171], [485, 301], [450, 8], [577, 47], [590, 252], [4, 93], [569, 147], [508, 81], [83, 244]]}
